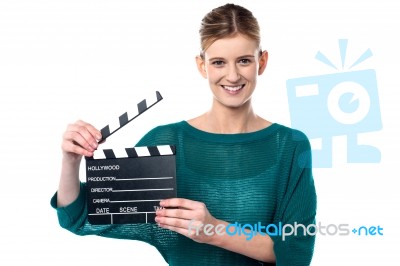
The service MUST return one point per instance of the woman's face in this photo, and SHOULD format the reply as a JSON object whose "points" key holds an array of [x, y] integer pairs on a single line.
{"points": [[231, 66]]}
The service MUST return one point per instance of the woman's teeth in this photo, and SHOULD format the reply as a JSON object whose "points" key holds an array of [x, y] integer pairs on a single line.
{"points": [[232, 88]]}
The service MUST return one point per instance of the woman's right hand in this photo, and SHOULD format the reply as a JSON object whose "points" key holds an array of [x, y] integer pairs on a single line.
{"points": [[80, 139]]}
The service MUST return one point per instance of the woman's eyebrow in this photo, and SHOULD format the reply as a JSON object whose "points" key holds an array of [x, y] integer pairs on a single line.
{"points": [[216, 58], [221, 58], [245, 56]]}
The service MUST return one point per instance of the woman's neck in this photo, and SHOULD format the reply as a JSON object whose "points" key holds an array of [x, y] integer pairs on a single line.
{"points": [[226, 120]]}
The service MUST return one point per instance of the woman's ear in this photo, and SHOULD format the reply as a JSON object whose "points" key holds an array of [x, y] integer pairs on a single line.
{"points": [[201, 66], [262, 62]]}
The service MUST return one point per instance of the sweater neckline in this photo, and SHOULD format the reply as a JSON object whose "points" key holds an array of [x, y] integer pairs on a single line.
{"points": [[229, 138]]}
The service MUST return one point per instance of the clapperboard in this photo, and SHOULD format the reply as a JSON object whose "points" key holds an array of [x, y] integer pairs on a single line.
{"points": [[126, 185]]}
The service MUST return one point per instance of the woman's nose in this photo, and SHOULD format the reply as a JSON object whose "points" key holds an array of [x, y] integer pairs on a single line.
{"points": [[233, 74]]}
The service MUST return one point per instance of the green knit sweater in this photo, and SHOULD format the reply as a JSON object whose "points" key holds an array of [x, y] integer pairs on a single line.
{"points": [[247, 178]]}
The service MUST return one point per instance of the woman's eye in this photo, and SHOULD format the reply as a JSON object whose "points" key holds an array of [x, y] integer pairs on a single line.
{"points": [[218, 63], [244, 61]]}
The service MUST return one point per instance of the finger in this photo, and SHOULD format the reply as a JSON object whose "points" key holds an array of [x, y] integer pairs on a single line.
{"points": [[70, 147], [174, 222], [76, 139], [176, 213], [75, 143], [181, 203], [91, 129], [81, 135], [194, 232], [179, 230]]}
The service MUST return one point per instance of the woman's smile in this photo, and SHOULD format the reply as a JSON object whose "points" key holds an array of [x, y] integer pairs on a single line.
{"points": [[233, 89]]}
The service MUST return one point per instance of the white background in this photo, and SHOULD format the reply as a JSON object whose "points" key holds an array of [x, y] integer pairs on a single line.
{"points": [[66, 60]]}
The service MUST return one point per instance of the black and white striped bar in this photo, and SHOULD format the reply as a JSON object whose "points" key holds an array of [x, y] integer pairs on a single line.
{"points": [[128, 116], [134, 152], [125, 186]]}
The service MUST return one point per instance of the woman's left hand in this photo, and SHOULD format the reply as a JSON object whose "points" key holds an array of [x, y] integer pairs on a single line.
{"points": [[186, 217]]}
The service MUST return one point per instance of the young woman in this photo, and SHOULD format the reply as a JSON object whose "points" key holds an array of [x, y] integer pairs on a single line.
{"points": [[233, 167]]}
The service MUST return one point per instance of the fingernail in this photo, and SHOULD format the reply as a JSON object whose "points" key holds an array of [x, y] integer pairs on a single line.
{"points": [[94, 145], [157, 219]]}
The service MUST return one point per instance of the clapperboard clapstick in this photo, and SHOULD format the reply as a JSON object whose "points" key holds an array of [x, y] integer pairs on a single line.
{"points": [[127, 117], [126, 185]]}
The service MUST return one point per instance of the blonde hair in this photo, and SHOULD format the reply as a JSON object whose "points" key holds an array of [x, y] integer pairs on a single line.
{"points": [[227, 21]]}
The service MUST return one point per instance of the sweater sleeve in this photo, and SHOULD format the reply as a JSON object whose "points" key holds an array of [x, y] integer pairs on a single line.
{"points": [[74, 219], [297, 208]]}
